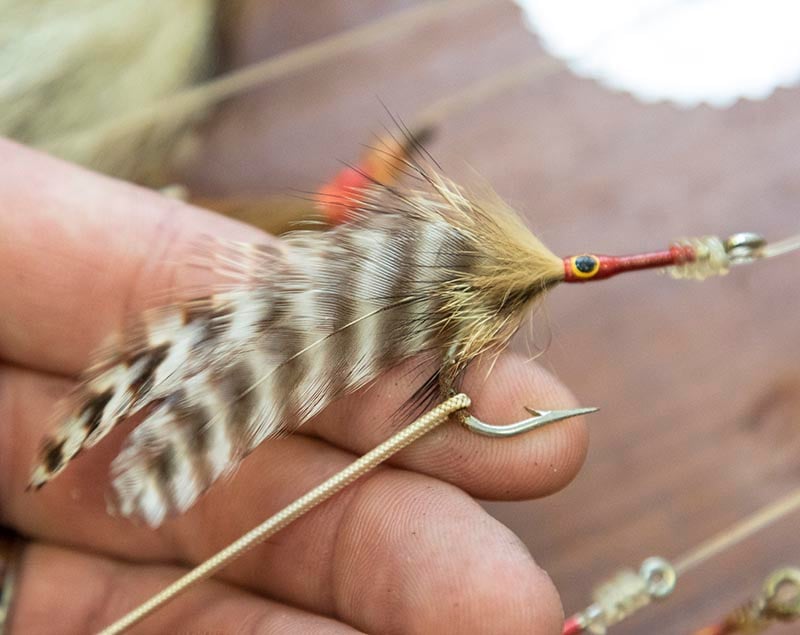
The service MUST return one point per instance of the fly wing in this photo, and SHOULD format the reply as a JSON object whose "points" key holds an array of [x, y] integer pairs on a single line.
{"points": [[158, 352], [214, 377], [343, 307]]}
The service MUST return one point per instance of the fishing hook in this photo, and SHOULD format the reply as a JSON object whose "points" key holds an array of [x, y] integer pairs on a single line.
{"points": [[540, 418]]}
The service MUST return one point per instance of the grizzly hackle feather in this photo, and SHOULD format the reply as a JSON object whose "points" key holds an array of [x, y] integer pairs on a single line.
{"points": [[423, 270]]}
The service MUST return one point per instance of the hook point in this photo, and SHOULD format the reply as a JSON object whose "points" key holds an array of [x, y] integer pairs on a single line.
{"points": [[561, 414]]}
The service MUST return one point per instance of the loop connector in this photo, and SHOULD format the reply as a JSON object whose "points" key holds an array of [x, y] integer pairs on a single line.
{"points": [[779, 601], [627, 593], [660, 576], [744, 247], [714, 257], [782, 595]]}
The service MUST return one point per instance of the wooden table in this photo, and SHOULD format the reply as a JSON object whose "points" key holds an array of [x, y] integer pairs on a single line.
{"points": [[699, 384]]}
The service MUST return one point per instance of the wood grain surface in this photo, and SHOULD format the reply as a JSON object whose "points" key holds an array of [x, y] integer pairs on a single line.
{"points": [[699, 383]]}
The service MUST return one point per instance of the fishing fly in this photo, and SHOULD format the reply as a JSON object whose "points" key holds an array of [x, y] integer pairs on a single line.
{"points": [[424, 270], [412, 272]]}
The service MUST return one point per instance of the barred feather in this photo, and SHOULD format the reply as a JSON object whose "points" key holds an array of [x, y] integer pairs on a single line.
{"points": [[414, 270]]}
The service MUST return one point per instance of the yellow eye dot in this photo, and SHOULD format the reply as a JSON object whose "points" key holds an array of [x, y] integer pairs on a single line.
{"points": [[585, 266]]}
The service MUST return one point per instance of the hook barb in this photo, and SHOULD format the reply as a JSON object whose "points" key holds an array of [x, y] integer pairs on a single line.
{"points": [[539, 419]]}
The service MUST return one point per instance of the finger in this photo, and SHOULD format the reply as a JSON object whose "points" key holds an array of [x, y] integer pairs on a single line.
{"points": [[83, 593], [531, 465], [380, 554], [77, 248]]}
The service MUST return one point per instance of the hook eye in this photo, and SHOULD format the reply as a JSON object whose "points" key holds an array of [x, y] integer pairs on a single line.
{"points": [[660, 577], [782, 594], [744, 246]]}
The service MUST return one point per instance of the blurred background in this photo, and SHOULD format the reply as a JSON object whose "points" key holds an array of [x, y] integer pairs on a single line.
{"points": [[699, 383]]}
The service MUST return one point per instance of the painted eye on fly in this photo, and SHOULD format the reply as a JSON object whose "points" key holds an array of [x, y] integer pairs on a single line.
{"points": [[585, 266]]}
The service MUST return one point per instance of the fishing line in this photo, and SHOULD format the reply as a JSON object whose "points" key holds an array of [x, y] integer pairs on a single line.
{"points": [[295, 510], [628, 591]]}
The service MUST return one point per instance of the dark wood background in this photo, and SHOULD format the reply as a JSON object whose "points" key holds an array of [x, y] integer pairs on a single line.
{"points": [[699, 384]]}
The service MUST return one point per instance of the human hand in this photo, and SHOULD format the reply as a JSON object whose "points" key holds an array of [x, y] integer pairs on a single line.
{"points": [[405, 549]]}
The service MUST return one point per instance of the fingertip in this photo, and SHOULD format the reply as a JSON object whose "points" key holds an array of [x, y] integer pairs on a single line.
{"points": [[533, 600], [509, 592], [438, 563]]}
